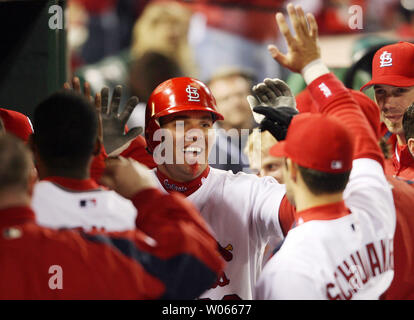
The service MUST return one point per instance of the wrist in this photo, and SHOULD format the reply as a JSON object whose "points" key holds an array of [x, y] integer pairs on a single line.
{"points": [[314, 70]]}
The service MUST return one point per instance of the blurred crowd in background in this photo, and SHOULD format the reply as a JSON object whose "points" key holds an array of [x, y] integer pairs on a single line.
{"points": [[141, 43]]}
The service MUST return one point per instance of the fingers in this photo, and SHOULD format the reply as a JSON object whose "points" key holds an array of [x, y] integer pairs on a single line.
{"points": [[116, 100], [76, 85], [302, 20], [129, 108], [66, 86], [253, 102], [87, 91], [280, 85], [295, 19], [133, 133], [313, 26], [98, 108], [266, 94], [278, 56], [104, 99], [284, 28]]}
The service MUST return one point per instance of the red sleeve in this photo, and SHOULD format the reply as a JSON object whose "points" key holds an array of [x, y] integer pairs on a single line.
{"points": [[402, 285], [98, 165], [172, 219], [137, 151], [336, 100], [286, 215]]}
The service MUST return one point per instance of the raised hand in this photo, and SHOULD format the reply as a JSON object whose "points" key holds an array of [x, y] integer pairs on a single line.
{"points": [[273, 93], [114, 136], [303, 48], [87, 93]]}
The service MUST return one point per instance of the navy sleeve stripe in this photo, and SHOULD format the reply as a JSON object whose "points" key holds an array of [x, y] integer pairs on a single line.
{"points": [[184, 276]]}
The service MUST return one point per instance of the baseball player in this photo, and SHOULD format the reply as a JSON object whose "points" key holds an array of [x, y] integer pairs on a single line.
{"points": [[402, 286], [342, 244], [64, 143], [393, 83], [173, 256], [241, 209]]}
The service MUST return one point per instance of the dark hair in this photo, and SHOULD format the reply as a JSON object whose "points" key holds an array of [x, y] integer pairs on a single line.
{"points": [[408, 122], [15, 163], [65, 130], [320, 182], [150, 70]]}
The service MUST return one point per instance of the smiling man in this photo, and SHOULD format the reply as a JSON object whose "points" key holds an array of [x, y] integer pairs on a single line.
{"points": [[241, 209], [393, 81]]}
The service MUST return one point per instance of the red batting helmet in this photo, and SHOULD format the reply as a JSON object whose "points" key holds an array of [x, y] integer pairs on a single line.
{"points": [[176, 95]]}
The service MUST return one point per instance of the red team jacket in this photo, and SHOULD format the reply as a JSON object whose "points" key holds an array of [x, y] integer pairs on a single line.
{"points": [[176, 257]]}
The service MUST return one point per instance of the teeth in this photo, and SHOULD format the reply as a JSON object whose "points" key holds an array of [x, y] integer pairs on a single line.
{"points": [[192, 149]]}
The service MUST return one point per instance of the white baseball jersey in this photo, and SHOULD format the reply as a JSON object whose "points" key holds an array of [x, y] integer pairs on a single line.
{"points": [[350, 257], [242, 212], [58, 207]]}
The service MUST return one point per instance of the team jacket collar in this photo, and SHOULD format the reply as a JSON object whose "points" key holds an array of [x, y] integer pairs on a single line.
{"points": [[404, 160], [16, 216], [325, 212], [186, 188], [74, 184]]}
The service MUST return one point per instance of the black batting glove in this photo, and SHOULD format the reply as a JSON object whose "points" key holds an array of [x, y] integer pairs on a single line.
{"points": [[277, 120]]}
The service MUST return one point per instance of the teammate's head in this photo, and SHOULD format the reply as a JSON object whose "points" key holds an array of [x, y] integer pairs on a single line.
{"points": [[408, 126], [181, 112], [16, 165], [257, 150], [65, 133], [393, 82], [319, 152]]}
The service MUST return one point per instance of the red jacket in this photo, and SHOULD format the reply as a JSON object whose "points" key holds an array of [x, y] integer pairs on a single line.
{"points": [[176, 257], [402, 286]]}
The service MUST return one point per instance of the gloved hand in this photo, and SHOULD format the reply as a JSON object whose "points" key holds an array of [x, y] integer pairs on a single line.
{"points": [[113, 124], [276, 120], [273, 93]]}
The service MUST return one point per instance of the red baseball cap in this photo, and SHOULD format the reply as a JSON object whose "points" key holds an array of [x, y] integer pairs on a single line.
{"points": [[318, 142], [393, 65], [16, 123]]}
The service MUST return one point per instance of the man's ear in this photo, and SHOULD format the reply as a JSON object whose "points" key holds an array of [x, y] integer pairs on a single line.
{"points": [[97, 148], [292, 169], [410, 144]]}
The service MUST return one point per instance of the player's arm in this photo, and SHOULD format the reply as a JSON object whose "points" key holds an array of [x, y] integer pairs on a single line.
{"points": [[180, 238], [367, 182], [330, 94]]}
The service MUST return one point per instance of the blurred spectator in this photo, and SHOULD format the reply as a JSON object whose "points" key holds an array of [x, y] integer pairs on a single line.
{"points": [[230, 87], [146, 73], [230, 32], [99, 28], [162, 27], [406, 15]]}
